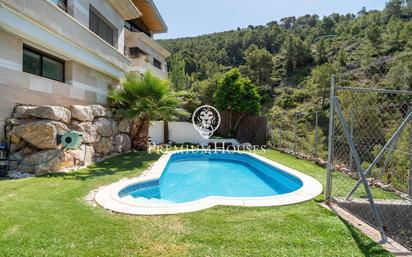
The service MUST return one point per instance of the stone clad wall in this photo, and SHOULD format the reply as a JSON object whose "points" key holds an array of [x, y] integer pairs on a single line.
{"points": [[33, 132]]}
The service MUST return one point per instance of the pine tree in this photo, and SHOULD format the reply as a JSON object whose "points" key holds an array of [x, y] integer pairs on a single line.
{"points": [[177, 72]]}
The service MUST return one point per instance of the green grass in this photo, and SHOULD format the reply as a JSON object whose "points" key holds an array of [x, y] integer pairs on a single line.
{"points": [[47, 216], [341, 182]]}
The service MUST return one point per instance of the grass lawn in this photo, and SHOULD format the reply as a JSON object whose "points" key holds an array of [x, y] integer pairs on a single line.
{"points": [[47, 217]]}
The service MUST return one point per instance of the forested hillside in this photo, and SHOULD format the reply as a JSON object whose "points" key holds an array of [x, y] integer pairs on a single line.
{"points": [[283, 70], [290, 60]]}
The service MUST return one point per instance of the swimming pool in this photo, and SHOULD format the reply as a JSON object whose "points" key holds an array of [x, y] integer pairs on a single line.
{"points": [[188, 181]]}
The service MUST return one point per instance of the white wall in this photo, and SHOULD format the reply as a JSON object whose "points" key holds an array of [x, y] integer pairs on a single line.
{"points": [[184, 132], [156, 132], [180, 133]]}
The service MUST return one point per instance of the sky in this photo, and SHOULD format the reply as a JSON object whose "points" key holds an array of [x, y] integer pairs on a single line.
{"points": [[186, 18]]}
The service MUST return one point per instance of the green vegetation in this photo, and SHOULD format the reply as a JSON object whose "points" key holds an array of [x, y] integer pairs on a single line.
{"points": [[284, 54], [235, 93], [142, 99], [47, 216], [291, 62]]}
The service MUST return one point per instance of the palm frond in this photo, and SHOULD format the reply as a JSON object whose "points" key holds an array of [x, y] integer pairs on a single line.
{"points": [[146, 95]]}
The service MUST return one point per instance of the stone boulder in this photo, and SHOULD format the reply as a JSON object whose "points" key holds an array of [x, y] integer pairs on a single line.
{"points": [[124, 126], [88, 130], [14, 147], [103, 127], [99, 111], [104, 146], [122, 143], [115, 129], [388, 188], [15, 158], [15, 139], [83, 155], [41, 134], [49, 112], [82, 113], [60, 127], [20, 111], [48, 161], [14, 122]]}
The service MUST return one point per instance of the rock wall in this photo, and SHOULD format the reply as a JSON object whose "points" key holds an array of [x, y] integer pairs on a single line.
{"points": [[33, 132]]}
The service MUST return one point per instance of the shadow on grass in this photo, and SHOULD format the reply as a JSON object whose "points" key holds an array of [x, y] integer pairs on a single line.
{"points": [[368, 249], [117, 164]]}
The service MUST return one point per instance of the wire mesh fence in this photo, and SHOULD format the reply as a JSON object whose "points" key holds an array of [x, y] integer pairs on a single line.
{"points": [[300, 133], [371, 160]]}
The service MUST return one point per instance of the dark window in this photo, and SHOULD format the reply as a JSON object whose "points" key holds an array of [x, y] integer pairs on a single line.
{"points": [[157, 63], [102, 27], [41, 64], [135, 52]]}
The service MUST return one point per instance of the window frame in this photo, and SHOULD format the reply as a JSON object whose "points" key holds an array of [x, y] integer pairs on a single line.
{"points": [[115, 32], [42, 55], [157, 61]]}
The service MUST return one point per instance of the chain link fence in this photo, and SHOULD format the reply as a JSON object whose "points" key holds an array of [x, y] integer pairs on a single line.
{"points": [[300, 133], [370, 166], [367, 144]]}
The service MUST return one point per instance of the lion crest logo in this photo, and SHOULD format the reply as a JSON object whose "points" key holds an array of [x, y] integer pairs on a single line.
{"points": [[206, 120]]}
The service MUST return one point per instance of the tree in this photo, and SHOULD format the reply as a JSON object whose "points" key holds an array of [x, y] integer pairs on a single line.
{"points": [[393, 8], [319, 82], [189, 100], [177, 72], [393, 40], [321, 52], [400, 72], [288, 22], [362, 12], [342, 58], [237, 94], [406, 34], [259, 65], [373, 34], [295, 53], [328, 24], [207, 88], [143, 98]]}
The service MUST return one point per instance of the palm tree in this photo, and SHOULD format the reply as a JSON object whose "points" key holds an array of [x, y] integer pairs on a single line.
{"points": [[143, 98]]}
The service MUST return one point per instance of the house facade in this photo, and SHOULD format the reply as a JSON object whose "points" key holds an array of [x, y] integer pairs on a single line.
{"points": [[64, 52]]}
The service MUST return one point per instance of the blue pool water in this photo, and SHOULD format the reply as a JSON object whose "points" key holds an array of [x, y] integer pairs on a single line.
{"points": [[192, 176]]}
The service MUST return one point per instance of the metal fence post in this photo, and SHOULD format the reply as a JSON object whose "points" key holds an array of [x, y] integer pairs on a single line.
{"points": [[328, 193], [316, 143], [351, 120], [410, 163], [280, 137], [295, 133]]}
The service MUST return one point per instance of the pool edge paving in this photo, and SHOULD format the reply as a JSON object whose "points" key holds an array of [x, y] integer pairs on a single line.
{"points": [[108, 197]]}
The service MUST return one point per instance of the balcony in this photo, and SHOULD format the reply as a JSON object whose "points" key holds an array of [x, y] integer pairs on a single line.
{"points": [[145, 53], [44, 23], [142, 65]]}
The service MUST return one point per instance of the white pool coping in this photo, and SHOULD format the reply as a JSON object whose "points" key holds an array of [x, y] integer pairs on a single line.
{"points": [[108, 197]]}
